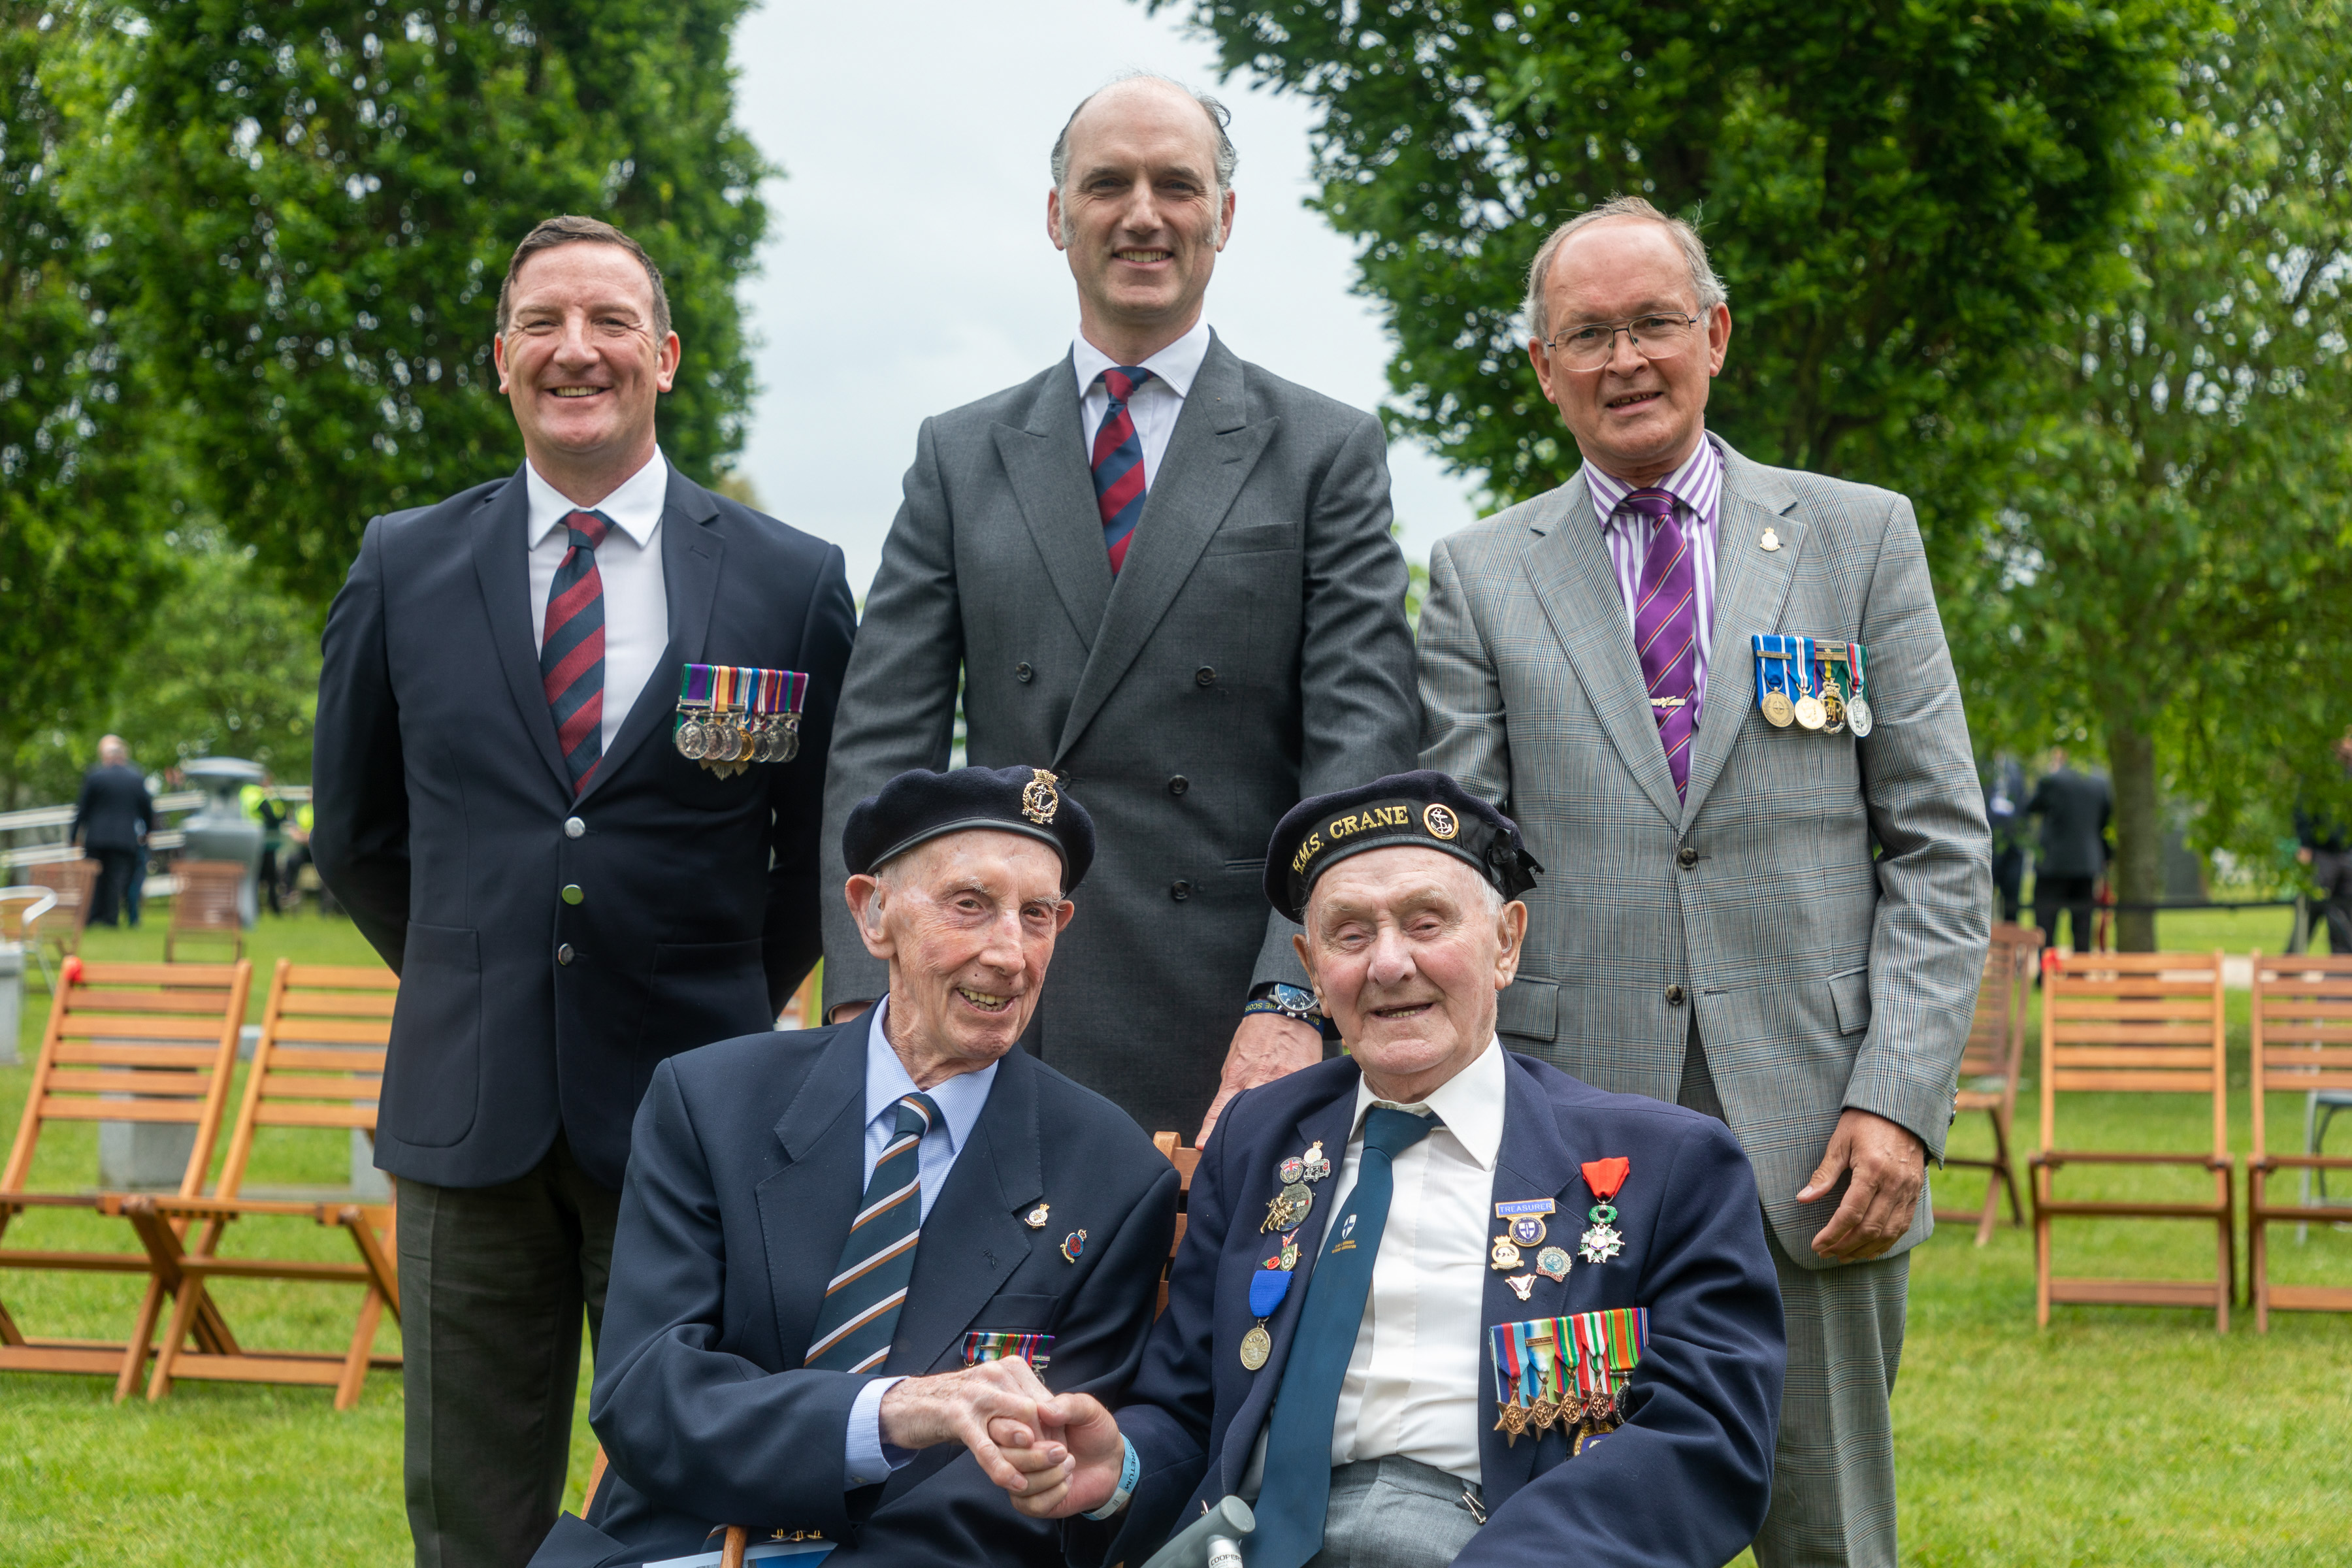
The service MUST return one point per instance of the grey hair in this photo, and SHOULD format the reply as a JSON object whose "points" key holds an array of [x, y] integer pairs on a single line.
{"points": [[1219, 117], [1704, 282]]}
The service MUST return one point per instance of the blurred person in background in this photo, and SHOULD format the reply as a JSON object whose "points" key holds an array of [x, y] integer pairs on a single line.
{"points": [[2074, 809], [2323, 842], [111, 820], [2005, 810]]}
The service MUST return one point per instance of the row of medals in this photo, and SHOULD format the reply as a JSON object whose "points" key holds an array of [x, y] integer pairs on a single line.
{"points": [[736, 737], [1831, 712]]}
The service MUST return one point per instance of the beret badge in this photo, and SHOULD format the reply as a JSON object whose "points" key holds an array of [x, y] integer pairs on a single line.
{"points": [[1441, 821], [1039, 800]]}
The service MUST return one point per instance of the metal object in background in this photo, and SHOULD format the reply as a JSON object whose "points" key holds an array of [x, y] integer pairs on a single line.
{"points": [[221, 830]]}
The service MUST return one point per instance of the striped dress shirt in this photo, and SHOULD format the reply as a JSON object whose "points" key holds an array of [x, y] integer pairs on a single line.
{"points": [[1697, 489]]}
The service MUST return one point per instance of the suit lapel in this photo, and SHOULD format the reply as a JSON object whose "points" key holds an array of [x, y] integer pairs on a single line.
{"points": [[1045, 461], [1534, 1163], [973, 1240], [805, 1208], [693, 547], [1329, 1124], [502, 567], [1567, 565], [1209, 457], [1751, 587]]}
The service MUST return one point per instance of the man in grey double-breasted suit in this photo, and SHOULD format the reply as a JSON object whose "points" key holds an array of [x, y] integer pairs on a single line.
{"points": [[1167, 574], [1714, 929]]}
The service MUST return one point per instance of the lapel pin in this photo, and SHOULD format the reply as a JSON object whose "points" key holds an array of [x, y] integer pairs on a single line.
{"points": [[1521, 1284], [1072, 1245], [1553, 1263], [1770, 542], [1036, 1219]]}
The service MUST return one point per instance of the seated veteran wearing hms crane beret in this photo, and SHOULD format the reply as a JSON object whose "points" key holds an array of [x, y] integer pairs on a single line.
{"points": [[842, 1251], [1437, 1302]]}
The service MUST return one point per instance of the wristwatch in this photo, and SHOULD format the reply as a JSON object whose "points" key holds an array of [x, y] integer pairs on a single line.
{"points": [[1290, 1001]]}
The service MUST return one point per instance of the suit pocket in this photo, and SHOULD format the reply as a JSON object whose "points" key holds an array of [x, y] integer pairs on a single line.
{"points": [[432, 1075], [1850, 993], [1251, 541], [1019, 1315], [705, 991], [1529, 1010]]}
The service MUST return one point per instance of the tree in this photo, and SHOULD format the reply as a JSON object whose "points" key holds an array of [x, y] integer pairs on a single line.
{"points": [[318, 200], [1894, 195]]}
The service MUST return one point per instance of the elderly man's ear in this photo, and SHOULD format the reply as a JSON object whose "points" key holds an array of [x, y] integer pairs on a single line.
{"points": [[866, 898], [1510, 936]]}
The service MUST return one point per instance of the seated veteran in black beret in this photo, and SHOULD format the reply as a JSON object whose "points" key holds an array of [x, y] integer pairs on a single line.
{"points": [[842, 1251], [1436, 1302]]}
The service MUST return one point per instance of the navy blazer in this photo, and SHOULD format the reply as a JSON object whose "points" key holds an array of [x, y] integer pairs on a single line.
{"points": [[441, 807], [749, 1166], [1686, 1479], [114, 810]]}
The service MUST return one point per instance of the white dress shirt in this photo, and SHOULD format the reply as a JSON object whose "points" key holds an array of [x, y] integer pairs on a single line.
{"points": [[1416, 1381], [960, 1099], [629, 562], [1154, 405], [1697, 489]]}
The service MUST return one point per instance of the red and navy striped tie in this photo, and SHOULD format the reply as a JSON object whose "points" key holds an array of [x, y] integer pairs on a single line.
{"points": [[1119, 464], [572, 651], [869, 1284]]}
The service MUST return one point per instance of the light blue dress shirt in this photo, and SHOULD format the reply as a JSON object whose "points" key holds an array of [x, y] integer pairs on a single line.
{"points": [[960, 1099]]}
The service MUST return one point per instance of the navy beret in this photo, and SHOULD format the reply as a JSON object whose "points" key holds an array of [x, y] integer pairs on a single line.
{"points": [[919, 806], [1424, 810]]}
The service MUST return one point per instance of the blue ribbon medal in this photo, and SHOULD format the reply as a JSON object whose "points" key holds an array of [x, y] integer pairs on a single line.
{"points": [[1772, 678]]}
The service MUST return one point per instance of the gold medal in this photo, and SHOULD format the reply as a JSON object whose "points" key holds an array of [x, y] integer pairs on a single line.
{"points": [[1256, 1345], [1809, 713], [1832, 707], [1779, 711]]}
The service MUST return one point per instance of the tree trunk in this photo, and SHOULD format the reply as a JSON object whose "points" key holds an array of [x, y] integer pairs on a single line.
{"points": [[2136, 876]]}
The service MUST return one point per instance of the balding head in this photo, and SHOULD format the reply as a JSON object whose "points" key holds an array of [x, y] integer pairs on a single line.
{"points": [[112, 752]]}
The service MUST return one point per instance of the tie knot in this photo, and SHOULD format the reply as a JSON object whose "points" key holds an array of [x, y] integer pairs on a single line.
{"points": [[1654, 504], [588, 528], [1121, 381], [1393, 1132], [916, 1115]]}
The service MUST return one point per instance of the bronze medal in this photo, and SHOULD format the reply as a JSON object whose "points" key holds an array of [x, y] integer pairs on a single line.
{"points": [[1779, 711], [1256, 1345]]}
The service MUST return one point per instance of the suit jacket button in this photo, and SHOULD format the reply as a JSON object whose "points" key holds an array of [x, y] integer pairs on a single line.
{"points": [[572, 893], [1179, 785], [1686, 857], [1204, 676], [1179, 891], [1673, 995], [1023, 674], [563, 953], [574, 827]]}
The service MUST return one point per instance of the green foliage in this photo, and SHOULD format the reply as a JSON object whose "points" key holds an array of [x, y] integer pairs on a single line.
{"points": [[317, 201], [1894, 195]]}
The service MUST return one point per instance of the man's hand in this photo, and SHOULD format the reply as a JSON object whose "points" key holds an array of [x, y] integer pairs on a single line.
{"points": [[958, 1407], [1889, 1164], [1069, 1464], [1267, 1046]]}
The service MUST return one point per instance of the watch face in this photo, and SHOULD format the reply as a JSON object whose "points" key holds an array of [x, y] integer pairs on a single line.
{"points": [[1295, 998]]}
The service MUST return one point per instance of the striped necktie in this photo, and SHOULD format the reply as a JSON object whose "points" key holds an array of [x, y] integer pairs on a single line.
{"points": [[862, 1303], [1666, 629], [1119, 464], [571, 649], [1296, 1493]]}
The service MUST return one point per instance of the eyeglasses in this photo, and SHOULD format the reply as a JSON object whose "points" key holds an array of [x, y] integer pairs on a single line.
{"points": [[1662, 335]]}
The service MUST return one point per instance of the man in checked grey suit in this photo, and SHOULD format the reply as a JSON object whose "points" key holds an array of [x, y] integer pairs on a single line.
{"points": [[1169, 575], [1714, 929]]}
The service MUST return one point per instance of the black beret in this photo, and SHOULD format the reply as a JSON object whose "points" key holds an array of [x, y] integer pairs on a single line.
{"points": [[1425, 810], [919, 806]]}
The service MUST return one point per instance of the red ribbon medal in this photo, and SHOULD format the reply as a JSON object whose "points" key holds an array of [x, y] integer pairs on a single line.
{"points": [[1602, 1242]]}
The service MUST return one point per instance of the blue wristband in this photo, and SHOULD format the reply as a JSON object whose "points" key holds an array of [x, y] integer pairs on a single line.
{"points": [[1130, 1469]]}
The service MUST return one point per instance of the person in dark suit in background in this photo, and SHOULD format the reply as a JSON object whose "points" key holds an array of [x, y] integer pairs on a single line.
{"points": [[841, 1252], [2074, 808], [1166, 574], [2004, 811], [567, 897], [2324, 843], [112, 817]]}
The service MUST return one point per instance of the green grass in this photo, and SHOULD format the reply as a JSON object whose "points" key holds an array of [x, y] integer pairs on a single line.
{"points": [[2120, 1436]]}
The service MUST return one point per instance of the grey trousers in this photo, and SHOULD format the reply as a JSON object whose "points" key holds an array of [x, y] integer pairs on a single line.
{"points": [[1834, 1472], [492, 1282], [1395, 1513]]}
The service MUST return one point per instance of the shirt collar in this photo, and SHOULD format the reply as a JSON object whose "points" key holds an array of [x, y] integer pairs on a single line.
{"points": [[960, 1098], [1174, 365], [1697, 484], [1470, 1103], [634, 509]]}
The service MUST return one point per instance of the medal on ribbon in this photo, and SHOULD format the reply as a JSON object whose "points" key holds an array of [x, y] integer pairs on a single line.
{"points": [[1857, 709], [1810, 711], [1608, 1346], [1772, 698], [730, 716], [1525, 1220], [692, 736], [1267, 1287], [1601, 1242], [985, 1344], [1833, 689]]}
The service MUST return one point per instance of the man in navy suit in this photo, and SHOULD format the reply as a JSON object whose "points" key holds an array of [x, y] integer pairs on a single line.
{"points": [[843, 1252], [1402, 1264], [567, 898]]}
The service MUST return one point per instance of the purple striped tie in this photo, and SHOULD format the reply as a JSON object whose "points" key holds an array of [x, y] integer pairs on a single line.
{"points": [[571, 649], [1666, 629], [1119, 464]]}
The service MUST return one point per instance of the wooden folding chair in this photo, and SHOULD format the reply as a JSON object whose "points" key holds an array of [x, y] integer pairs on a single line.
{"points": [[2133, 1023], [1989, 1071], [319, 1063], [206, 906], [150, 1043], [21, 909], [74, 882], [2301, 1045]]}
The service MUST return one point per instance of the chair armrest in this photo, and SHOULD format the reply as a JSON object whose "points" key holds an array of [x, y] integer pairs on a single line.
{"points": [[2054, 1158], [2270, 1162], [215, 1208]]}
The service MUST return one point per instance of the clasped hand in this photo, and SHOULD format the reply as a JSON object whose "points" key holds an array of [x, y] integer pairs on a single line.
{"points": [[965, 1407], [1066, 1457]]}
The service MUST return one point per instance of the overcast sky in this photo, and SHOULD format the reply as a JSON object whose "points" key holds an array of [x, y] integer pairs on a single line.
{"points": [[907, 270]]}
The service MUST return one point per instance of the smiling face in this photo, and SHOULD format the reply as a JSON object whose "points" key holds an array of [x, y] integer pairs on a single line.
{"points": [[1140, 216], [1407, 948], [1639, 419], [582, 366], [966, 924]]}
